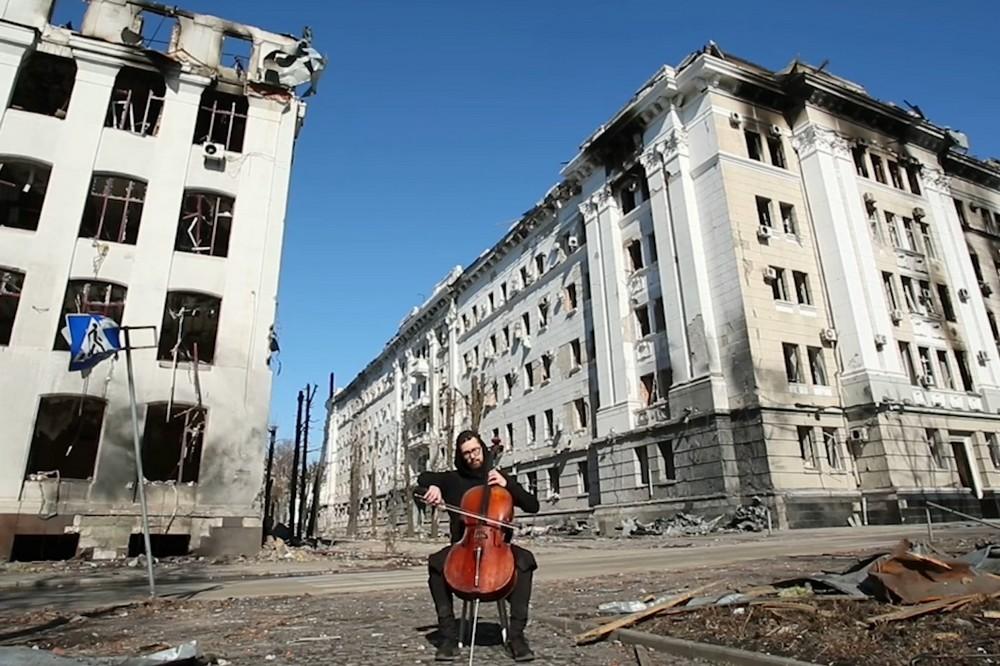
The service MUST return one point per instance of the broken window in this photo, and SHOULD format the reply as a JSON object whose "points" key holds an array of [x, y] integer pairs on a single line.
{"points": [[172, 443], [539, 265], [641, 465], [642, 321], [802, 291], [634, 249], [933, 440], [788, 222], [668, 470], [913, 176], [526, 320], [908, 367], [510, 380], [582, 478], [532, 429], [236, 52], [543, 313], [647, 389], [529, 375], [205, 225], [580, 410], [554, 486], [222, 119], [777, 151], [550, 423], [817, 366], [925, 233], [894, 174], [890, 291], [546, 367], [947, 378], [44, 547], [569, 297], [114, 209], [926, 367], [44, 84], [779, 285], [136, 101], [754, 146], [11, 284], [190, 327], [90, 297], [764, 212], [66, 436], [833, 458], [877, 169], [659, 315], [793, 364], [890, 224], [510, 436], [807, 447], [960, 211], [859, 154], [575, 353], [633, 191], [22, 193]]}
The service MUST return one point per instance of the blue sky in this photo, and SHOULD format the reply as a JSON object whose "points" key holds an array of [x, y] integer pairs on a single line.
{"points": [[439, 122]]}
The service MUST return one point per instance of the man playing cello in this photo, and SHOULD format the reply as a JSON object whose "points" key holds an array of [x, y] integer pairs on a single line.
{"points": [[473, 468]]}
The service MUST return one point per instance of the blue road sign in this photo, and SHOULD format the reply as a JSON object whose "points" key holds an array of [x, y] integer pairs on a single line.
{"points": [[92, 338]]}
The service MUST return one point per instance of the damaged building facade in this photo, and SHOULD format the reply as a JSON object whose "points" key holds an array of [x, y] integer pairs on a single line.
{"points": [[747, 284], [143, 176]]}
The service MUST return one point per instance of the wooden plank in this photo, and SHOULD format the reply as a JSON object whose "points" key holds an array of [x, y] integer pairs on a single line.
{"points": [[991, 615], [600, 632], [948, 603]]}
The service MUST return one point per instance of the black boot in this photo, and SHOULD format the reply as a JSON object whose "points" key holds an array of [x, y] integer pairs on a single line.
{"points": [[448, 647], [519, 648]]}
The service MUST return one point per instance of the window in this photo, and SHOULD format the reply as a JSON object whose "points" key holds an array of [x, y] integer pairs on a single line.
{"points": [[136, 101], [890, 291], [539, 265], [927, 298], [909, 235], [807, 447], [890, 224], [793, 364], [993, 446], [550, 424], [664, 380], [633, 191], [582, 478], [569, 297], [44, 84], [764, 212], [580, 411], [506, 337], [172, 443], [928, 241], [908, 367], [532, 429], [777, 150], [788, 222], [779, 287], [190, 327], [510, 436], [503, 291], [754, 145], [533, 483], [525, 276], [909, 295], [947, 378], [873, 224], [467, 361], [913, 176], [974, 258], [960, 211], [802, 291], [11, 284], [647, 389], [668, 471], [529, 376], [991, 318], [926, 367], [642, 321], [493, 344], [634, 249], [90, 297], [526, 323], [575, 354], [554, 487], [22, 193], [492, 302], [66, 436], [205, 225], [222, 118], [113, 210], [509, 381], [894, 174], [641, 455], [651, 244], [859, 154], [475, 356], [931, 436], [543, 313], [832, 449], [877, 168], [546, 367], [659, 315], [963, 370], [817, 366]]}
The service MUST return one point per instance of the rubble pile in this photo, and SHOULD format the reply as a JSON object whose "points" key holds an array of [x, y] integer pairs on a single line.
{"points": [[749, 517]]}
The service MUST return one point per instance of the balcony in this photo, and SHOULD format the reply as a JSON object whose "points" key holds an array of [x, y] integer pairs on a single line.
{"points": [[418, 367]]}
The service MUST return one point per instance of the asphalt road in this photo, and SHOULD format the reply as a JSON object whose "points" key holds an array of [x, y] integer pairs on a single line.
{"points": [[557, 561]]}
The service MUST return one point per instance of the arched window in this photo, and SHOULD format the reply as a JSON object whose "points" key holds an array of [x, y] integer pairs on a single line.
{"points": [[114, 209], [136, 101], [22, 193], [222, 118], [11, 283], [172, 442], [190, 326], [66, 437], [90, 297], [44, 84], [205, 224]]}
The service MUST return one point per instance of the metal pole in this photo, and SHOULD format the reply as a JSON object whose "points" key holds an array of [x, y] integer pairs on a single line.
{"points": [[295, 470], [930, 530], [269, 485], [310, 394], [140, 477], [964, 515], [324, 452]]}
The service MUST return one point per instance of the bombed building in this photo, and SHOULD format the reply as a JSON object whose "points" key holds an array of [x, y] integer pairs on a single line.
{"points": [[144, 172], [747, 283]]}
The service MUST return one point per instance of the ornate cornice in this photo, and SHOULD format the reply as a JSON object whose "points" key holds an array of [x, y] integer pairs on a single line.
{"points": [[813, 137], [935, 180]]}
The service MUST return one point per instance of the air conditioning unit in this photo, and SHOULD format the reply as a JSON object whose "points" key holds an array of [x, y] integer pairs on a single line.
{"points": [[963, 295], [828, 335], [926, 381], [880, 340], [985, 288], [735, 119], [919, 213], [213, 152], [869, 199], [634, 300], [573, 242], [770, 274], [642, 418], [775, 130], [764, 232], [896, 316], [983, 357], [859, 434]]}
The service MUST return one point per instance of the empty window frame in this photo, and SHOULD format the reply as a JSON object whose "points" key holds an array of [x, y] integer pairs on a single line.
{"points": [[526, 323], [172, 443], [532, 429], [509, 381], [908, 367], [136, 101], [190, 327], [634, 249], [947, 378], [832, 448], [877, 169], [779, 285], [554, 486], [11, 284], [668, 469], [960, 211], [889, 285], [935, 448], [543, 313], [777, 151], [788, 222], [539, 264], [90, 297], [44, 84], [575, 354], [634, 190], [860, 155], [546, 367], [754, 146], [909, 236], [909, 294], [963, 370], [114, 209], [66, 436], [641, 459], [510, 436], [222, 118], [928, 240], [913, 176], [802, 291], [205, 224], [582, 478], [529, 375], [549, 423], [927, 377], [22, 193], [643, 327], [793, 363], [947, 309], [894, 174], [927, 298], [581, 413], [890, 224], [993, 446], [764, 212], [570, 297], [807, 446], [647, 389], [817, 366]]}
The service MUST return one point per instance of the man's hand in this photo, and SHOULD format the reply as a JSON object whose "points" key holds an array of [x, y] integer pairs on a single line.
{"points": [[495, 478], [433, 496]]}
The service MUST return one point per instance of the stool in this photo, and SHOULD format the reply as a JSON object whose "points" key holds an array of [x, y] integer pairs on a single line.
{"points": [[467, 613]]}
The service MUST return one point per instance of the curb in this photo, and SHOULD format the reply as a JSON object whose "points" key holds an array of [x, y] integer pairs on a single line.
{"points": [[677, 646]]}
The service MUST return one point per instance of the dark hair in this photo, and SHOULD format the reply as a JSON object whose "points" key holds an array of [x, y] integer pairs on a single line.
{"points": [[465, 436]]}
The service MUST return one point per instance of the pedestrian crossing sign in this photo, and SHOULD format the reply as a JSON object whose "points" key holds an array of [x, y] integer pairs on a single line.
{"points": [[92, 338]]}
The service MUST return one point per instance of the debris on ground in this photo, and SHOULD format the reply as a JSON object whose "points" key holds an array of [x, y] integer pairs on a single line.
{"points": [[750, 517], [188, 654]]}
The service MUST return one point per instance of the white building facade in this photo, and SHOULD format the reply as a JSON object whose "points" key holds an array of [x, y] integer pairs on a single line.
{"points": [[146, 181], [747, 284]]}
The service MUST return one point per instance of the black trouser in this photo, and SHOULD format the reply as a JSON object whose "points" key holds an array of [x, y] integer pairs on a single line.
{"points": [[518, 599]]}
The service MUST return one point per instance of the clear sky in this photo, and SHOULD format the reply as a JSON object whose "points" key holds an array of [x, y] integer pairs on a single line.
{"points": [[438, 122]]}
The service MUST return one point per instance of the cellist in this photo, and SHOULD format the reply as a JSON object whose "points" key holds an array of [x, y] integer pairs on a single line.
{"points": [[473, 468]]}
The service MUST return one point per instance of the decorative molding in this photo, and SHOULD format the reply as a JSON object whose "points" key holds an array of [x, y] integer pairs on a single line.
{"points": [[813, 137], [935, 180], [596, 202]]}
